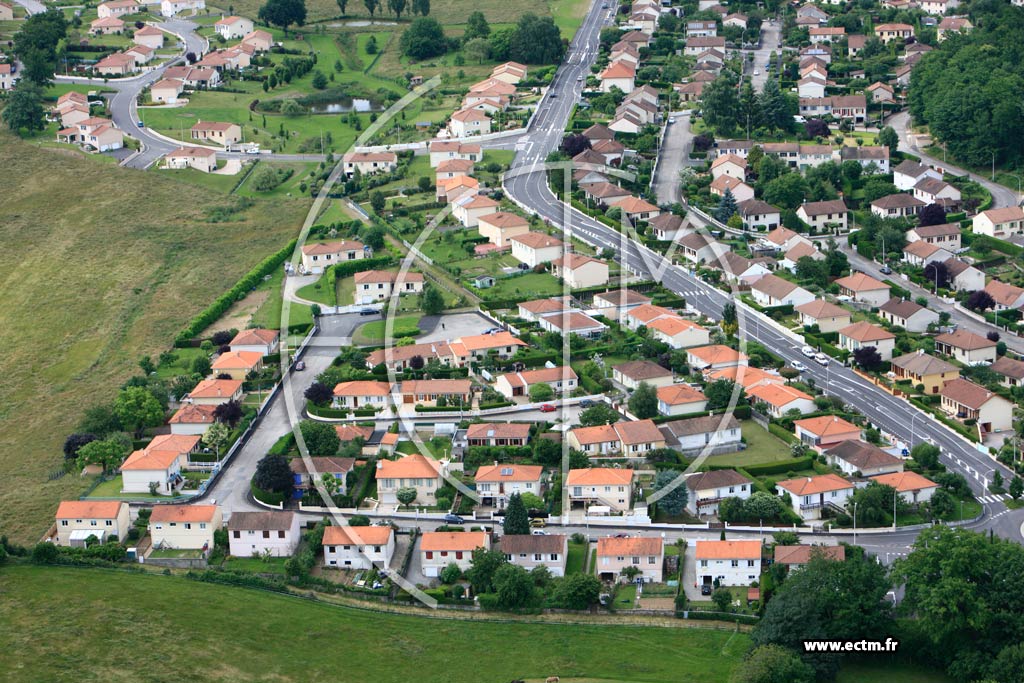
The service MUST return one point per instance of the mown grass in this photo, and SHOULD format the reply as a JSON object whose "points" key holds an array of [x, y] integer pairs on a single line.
{"points": [[762, 448], [102, 265], [72, 621], [373, 332], [575, 558]]}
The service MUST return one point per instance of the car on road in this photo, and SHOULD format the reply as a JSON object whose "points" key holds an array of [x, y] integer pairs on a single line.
{"points": [[843, 299], [140, 124], [453, 519], [579, 78], [705, 589], [671, 119], [537, 532], [821, 359], [299, 365], [808, 351], [886, 269], [537, 523], [587, 403], [369, 311], [756, 72], [547, 408], [621, 535], [798, 366], [553, 94]]}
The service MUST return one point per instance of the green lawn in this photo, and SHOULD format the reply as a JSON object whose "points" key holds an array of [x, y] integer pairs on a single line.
{"points": [[269, 313], [321, 292], [213, 181], [175, 553], [762, 447], [576, 557], [625, 597], [529, 286], [890, 672], [373, 332], [258, 565], [112, 489], [69, 619]]}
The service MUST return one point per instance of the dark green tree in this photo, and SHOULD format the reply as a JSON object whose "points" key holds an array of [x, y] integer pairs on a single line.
{"points": [[514, 586], [726, 206], [719, 393], [719, 104], [484, 566], [321, 437], [516, 521], [397, 6], [476, 27], [137, 409], [423, 39], [432, 301], [576, 591], [600, 414], [273, 475], [24, 112], [673, 502], [536, 41], [283, 13], [772, 664], [421, 7], [644, 401], [378, 202]]}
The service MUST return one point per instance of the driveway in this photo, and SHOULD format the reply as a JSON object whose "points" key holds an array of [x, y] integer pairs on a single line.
{"points": [[673, 156], [771, 41]]}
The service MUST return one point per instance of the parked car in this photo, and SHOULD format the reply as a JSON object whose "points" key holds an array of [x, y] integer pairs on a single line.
{"points": [[453, 519], [369, 311], [705, 589], [587, 403], [821, 359], [886, 269], [798, 366], [547, 408], [671, 119], [537, 523], [299, 366], [537, 532], [808, 351]]}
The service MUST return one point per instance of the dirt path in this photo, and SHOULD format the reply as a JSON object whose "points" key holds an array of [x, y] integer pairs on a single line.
{"points": [[238, 316]]}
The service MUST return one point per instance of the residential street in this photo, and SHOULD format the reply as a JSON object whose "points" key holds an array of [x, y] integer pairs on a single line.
{"points": [[771, 41], [672, 157]]}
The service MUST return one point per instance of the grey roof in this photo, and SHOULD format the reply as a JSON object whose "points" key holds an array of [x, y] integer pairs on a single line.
{"points": [[715, 478], [863, 456], [513, 544], [642, 369], [261, 521], [922, 364], [900, 308], [705, 424]]}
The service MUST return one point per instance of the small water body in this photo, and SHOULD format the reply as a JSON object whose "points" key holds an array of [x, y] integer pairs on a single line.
{"points": [[344, 105]]}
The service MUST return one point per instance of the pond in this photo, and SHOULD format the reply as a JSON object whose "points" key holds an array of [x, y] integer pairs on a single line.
{"points": [[343, 105]]}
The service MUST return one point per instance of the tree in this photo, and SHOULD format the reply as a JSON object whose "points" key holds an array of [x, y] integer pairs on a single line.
{"points": [[100, 420], [942, 505], [575, 143], [321, 438], [24, 112], [812, 271], [450, 574], [775, 107], [229, 413], [108, 454], [319, 394], [342, 5], [37, 44], [786, 191], [377, 202], [216, 437], [137, 409], [483, 567], [772, 664], [576, 591], [730, 322], [720, 392], [868, 358], [45, 553], [432, 302], [423, 39], [201, 366], [1016, 487], [477, 50], [644, 401], [933, 214], [887, 137], [283, 13], [516, 521], [406, 495], [421, 7], [274, 475], [726, 206], [722, 597], [319, 80], [816, 128], [476, 26], [600, 414], [673, 502], [514, 586], [762, 505], [541, 392], [397, 6], [937, 274], [74, 442], [371, 6], [536, 41], [719, 104], [980, 301]]}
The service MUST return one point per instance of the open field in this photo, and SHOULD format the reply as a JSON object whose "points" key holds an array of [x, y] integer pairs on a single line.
{"points": [[97, 274], [72, 634], [762, 448]]}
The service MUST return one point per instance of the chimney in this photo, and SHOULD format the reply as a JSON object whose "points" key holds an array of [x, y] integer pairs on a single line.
{"points": [[380, 464]]}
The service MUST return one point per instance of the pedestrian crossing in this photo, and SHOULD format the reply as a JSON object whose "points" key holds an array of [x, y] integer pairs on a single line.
{"points": [[993, 498]]}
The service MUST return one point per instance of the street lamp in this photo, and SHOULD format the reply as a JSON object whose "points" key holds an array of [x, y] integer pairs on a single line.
{"points": [[1013, 175], [855, 522]]}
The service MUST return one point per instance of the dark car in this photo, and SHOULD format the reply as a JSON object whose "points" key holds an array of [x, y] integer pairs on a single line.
{"points": [[587, 403], [453, 519], [369, 311], [299, 366], [705, 589]]}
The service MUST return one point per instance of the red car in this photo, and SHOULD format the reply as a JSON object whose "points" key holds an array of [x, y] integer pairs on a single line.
{"points": [[547, 408]]}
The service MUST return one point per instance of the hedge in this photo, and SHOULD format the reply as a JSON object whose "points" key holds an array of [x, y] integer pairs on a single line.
{"points": [[437, 409], [700, 615], [781, 433], [346, 268], [242, 288], [326, 412], [266, 496], [794, 465]]}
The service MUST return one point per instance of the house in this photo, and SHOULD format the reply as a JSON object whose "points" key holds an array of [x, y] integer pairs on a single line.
{"points": [[964, 277], [509, 72], [858, 458], [909, 173], [966, 400], [456, 187], [465, 350], [645, 553], [105, 25], [890, 32], [192, 419], [169, 8], [923, 369], [815, 107], [369, 163], [797, 556], [897, 206], [953, 25], [238, 364], [427, 392], [200, 158], [966, 347], [700, 248], [932, 191], [730, 563], [442, 150], [1011, 371], [1000, 223], [809, 11], [573, 322], [738, 270], [698, 44], [117, 64], [233, 28], [615, 304], [319, 255], [358, 547], [880, 92], [438, 549], [639, 437], [534, 248], [379, 285], [851, 107], [612, 150], [783, 239], [452, 168], [811, 86], [739, 189], [906, 314], [603, 193], [694, 434], [863, 333], [184, 527], [362, 394], [635, 209], [334, 468], [496, 483], [809, 495], [863, 287], [213, 392], [256, 340], [642, 316], [501, 226], [601, 486], [689, 92], [631, 373], [821, 433], [714, 357], [791, 258], [772, 290], [911, 486], [827, 316], [117, 8], [529, 551], [708, 489], [620, 74], [921, 253], [944, 235], [678, 332], [142, 54], [469, 121], [580, 271], [730, 165], [498, 434], [252, 534], [827, 215], [701, 29], [6, 12], [78, 520], [221, 133], [854, 44], [777, 400], [410, 471], [192, 77], [736, 19], [759, 215], [533, 310], [826, 34], [156, 469], [680, 399], [1004, 295], [867, 156], [97, 133]]}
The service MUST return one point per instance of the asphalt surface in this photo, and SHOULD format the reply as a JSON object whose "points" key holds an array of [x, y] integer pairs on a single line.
{"points": [[32, 6], [526, 183], [771, 41], [672, 157]]}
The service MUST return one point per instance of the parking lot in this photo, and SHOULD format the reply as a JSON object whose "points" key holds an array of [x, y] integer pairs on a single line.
{"points": [[452, 326]]}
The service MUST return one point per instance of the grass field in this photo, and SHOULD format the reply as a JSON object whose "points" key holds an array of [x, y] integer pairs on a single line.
{"points": [[762, 448], [102, 266], [575, 558], [373, 332], [195, 631]]}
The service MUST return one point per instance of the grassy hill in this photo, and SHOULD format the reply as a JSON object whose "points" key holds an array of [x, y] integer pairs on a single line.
{"points": [[112, 626], [98, 266]]}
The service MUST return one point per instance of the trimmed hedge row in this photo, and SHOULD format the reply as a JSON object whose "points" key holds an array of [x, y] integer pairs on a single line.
{"points": [[266, 496], [242, 288], [346, 268], [781, 433]]}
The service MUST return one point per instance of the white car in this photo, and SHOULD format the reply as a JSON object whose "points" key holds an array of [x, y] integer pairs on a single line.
{"points": [[672, 119], [821, 359], [808, 351], [756, 72], [798, 366]]}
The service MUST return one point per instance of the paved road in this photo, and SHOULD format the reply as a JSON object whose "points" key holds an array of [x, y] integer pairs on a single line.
{"points": [[1001, 195], [526, 183], [32, 6], [771, 41], [673, 156]]}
